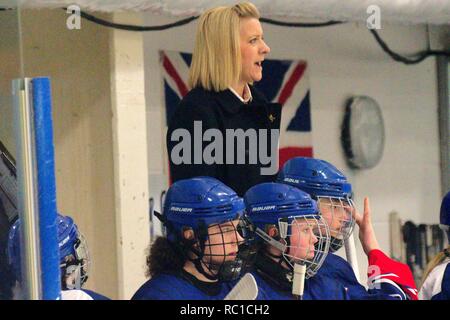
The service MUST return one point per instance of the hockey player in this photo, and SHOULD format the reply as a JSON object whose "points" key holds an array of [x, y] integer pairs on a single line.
{"points": [[200, 253], [74, 260], [436, 279], [290, 231], [388, 279]]}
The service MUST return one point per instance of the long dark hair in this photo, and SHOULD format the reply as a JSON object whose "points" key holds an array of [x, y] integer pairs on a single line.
{"points": [[164, 257]]}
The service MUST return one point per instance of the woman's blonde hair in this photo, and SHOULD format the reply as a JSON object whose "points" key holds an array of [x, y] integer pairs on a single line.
{"points": [[438, 259], [216, 61]]}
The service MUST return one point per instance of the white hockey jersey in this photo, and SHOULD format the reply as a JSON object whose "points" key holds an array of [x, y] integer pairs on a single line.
{"points": [[437, 284]]}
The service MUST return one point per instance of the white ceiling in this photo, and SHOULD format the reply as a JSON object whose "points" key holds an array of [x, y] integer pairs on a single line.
{"points": [[403, 11]]}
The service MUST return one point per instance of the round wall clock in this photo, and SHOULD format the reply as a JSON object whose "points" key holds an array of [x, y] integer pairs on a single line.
{"points": [[362, 133]]}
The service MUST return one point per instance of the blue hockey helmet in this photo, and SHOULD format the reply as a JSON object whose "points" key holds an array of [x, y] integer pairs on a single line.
{"points": [[201, 201], [203, 204], [316, 177], [445, 214], [295, 215], [325, 183], [73, 253], [268, 202]]}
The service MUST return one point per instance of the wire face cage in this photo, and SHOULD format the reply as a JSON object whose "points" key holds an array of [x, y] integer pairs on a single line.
{"points": [[307, 240], [339, 215], [75, 267], [225, 253]]}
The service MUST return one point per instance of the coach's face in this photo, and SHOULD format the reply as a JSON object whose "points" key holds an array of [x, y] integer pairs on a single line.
{"points": [[253, 49]]}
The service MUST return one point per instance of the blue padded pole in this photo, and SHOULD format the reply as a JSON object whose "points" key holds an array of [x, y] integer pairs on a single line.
{"points": [[43, 129]]}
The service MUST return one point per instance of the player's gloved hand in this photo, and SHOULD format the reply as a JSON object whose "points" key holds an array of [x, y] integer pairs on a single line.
{"points": [[366, 233]]}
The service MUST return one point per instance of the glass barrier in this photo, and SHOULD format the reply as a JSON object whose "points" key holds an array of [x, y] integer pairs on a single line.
{"points": [[10, 69]]}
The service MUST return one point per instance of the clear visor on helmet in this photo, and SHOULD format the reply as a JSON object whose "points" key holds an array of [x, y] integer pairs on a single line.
{"points": [[306, 241], [75, 269], [339, 214]]}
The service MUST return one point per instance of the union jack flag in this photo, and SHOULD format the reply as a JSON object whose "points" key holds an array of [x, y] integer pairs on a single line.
{"points": [[284, 81]]}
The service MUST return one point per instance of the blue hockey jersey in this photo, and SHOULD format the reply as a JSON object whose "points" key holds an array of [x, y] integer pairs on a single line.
{"points": [[274, 283], [388, 279], [316, 288], [180, 287]]}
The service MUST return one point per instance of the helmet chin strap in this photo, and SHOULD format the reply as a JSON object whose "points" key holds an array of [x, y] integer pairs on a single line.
{"points": [[281, 257], [271, 267], [279, 260], [275, 242], [227, 271], [199, 266], [335, 244]]}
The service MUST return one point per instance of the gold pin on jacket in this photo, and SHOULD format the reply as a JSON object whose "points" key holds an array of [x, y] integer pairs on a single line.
{"points": [[271, 118]]}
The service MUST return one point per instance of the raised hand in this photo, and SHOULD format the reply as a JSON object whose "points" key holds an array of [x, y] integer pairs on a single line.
{"points": [[366, 233]]}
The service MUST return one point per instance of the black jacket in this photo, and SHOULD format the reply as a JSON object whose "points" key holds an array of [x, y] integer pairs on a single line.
{"points": [[223, 110]]}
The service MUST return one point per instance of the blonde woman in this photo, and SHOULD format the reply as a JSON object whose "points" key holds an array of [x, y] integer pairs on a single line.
{"points": [[436, 279], [227, 59]]}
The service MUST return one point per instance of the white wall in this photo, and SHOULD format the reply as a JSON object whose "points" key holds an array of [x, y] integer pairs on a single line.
{"points": [[343, 61], [130, 154]]}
